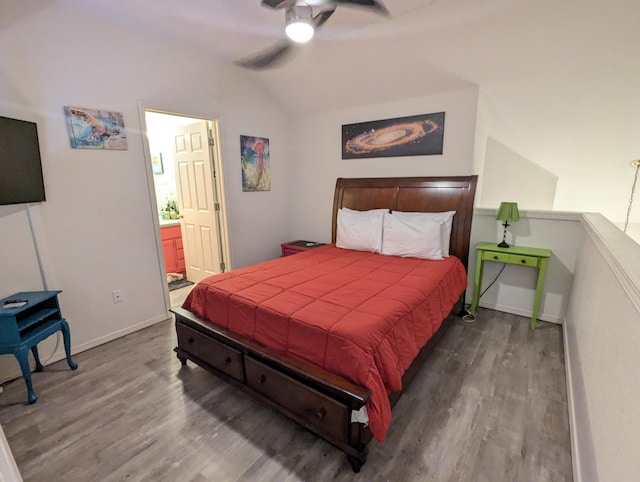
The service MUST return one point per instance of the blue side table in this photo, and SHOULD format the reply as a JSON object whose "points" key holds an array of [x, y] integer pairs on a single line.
{"points": [[23, 327]]}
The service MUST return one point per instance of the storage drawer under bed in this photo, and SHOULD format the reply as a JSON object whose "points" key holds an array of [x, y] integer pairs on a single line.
{"points": [[216, 354], [314, 407]]}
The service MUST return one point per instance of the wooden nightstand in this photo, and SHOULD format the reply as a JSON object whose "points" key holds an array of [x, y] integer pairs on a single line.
{"points": [[293, 247], [533, 257]]}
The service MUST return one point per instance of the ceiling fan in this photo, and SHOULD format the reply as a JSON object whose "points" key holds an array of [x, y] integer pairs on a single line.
{"points": [[300, 25]]}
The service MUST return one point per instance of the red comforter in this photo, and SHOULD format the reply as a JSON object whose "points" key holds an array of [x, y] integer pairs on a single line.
{"points": [[360, 315]]}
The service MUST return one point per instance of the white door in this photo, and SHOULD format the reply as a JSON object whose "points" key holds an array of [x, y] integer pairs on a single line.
{"points": [[193, 158]]}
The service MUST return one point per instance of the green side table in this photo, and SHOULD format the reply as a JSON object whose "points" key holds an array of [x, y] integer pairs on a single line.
{"points": [[533, 257]]}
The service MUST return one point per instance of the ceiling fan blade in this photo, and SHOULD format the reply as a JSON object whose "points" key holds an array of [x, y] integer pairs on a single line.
{"points": [[375, 5], [275, 55], [278, 4], [268, 58], [322, 17]]}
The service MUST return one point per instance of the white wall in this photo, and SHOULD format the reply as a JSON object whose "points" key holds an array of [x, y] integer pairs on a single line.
{"points": [[96, 229], [507, 176], [602, 335], [558, 87], [18, 255], [8, 468], [316, 155]]}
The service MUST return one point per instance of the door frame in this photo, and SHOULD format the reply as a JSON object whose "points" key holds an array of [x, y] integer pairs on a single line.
{"points": [[215, 120]]}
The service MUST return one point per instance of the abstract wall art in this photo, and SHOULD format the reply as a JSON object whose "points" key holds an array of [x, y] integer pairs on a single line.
{"points": [[418, 135], [256, 171], [95, 129]]}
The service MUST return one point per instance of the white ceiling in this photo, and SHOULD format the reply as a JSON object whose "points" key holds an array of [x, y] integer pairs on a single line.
{"points": [[426, 47], [343, 65]]}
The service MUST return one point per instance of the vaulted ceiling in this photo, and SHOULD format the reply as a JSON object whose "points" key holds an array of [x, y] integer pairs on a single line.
{"points": [[426, 46]]}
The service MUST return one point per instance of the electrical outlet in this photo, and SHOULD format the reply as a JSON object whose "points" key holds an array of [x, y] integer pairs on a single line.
{"points": [[117, 296]]}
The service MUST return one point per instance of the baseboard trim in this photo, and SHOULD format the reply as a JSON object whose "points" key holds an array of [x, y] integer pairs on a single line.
{"points": [[115, 335], [59, 354], [526, 313], [573, 434]]}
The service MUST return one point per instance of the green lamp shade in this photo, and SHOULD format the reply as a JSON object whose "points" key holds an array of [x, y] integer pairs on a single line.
{"points": [[508, 212]]}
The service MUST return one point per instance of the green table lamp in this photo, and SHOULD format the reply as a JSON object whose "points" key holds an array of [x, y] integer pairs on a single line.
{"points": [[507, 212]]}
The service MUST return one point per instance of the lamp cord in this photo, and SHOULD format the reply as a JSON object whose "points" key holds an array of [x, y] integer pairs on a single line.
{"points": [[494, 281], [633, 191], [469, 317]]}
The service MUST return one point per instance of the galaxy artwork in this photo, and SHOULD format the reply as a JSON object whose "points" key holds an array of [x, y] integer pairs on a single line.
{"points": [[418, 135]]}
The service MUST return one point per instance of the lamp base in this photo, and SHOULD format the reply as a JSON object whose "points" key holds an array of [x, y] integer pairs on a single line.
{"points": [[504, 244]]}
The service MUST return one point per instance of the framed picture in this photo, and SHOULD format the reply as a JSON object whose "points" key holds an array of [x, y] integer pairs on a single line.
{"points": [[156, 163], [95, 129], [418, 135], [254, 157]]}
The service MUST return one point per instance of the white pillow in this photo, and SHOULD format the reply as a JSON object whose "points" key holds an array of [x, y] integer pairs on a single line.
{"points": [[403, 236], [446, 218], [360, 230]]}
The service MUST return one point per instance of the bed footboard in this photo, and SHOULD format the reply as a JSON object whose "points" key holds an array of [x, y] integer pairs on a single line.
{"points": [[318, 400]]}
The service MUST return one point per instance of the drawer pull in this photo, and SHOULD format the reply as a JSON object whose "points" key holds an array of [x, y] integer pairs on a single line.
{"points": [[495, 257], [523, 261], [189, 340], [262, 379], [227, 360], [320, 414]]}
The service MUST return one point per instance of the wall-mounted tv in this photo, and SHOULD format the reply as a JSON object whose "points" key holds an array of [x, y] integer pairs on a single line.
{"points": [[20, 164]]}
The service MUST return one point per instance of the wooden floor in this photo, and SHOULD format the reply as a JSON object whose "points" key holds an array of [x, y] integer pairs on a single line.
{"points": [[177, 297], [489, 405]]}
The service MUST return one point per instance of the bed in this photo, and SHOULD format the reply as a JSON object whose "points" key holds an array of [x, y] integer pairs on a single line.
{"points": [[283, 331]]}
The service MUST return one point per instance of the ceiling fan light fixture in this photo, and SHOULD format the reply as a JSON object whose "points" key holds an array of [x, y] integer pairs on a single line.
{"points": [[299, 24]]}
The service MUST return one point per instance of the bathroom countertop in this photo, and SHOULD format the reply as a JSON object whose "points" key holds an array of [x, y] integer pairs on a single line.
{"points": [[168, 222]]}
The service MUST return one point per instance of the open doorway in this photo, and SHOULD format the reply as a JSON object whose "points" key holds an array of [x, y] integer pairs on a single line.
{"points": [[188, 192]]}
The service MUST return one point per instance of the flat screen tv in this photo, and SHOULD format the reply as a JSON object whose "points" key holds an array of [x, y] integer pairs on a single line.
{"points": [[20, 164]]}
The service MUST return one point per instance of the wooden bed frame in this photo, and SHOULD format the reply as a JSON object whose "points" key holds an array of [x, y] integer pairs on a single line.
{"points": [[318, 400]]}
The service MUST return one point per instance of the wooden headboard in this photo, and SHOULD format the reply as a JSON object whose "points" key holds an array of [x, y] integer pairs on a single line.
{"points": [[413, 194]]}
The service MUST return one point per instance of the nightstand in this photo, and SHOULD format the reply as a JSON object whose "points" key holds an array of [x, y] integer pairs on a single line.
{"points": [[23, 327], [294, 247], [520, 255]]}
